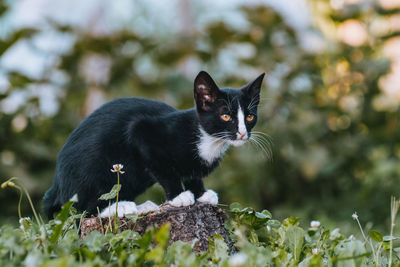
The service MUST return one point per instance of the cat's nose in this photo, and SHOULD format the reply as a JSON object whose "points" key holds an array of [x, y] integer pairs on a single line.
{"points": [[241, 136]]}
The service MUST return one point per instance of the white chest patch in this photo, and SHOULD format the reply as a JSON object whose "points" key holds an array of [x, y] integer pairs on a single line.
{"points": [[210, 148]]}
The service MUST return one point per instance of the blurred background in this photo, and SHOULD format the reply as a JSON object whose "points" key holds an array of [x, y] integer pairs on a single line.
{"points": [[330, 100]]}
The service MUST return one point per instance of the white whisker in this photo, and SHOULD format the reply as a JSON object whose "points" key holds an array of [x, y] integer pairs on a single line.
{"points": [[262, 141], [265, 149], [253, 102]]}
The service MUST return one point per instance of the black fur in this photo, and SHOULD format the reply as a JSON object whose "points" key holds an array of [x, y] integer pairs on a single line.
{"points": [[154, 141]]}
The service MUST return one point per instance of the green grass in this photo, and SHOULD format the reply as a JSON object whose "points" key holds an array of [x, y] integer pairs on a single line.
{"points": [[259, 239]]}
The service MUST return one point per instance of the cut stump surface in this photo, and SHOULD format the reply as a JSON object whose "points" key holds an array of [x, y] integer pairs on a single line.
{"points": [[197, 222]]}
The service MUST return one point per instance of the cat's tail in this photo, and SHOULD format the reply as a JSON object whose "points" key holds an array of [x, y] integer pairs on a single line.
{"points": [[50, 205]]}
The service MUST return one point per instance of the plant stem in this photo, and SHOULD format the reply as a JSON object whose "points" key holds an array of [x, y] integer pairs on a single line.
{"points": [[27, 196], [116, 205], [101, 221], [394, 207], [19, 202], [365, 238], [31, 203]]}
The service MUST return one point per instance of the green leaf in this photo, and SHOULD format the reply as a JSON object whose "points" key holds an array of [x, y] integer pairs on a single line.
{"points": [[261, 215], [235, 207], [312, 261], [11, 40], [217, 248], [253, 237], [350, 253], [95, 241], [3, 7], [162, 236], [325, 234], [267, 213], [375, 235], [146, 239], [60, 262], [60, 220], [112, 194], [181, 254], [295, 241], [291, 221], [335, 234], [274, 223], [156, 255], [19, 80]]}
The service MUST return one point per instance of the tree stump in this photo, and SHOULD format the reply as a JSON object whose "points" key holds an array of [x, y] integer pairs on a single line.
{"points": [[199, 221]]}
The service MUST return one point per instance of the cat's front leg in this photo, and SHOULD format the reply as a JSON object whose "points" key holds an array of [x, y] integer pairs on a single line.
{"points": [[197, 187], [184, 199], [175, 195], [209, 197]]}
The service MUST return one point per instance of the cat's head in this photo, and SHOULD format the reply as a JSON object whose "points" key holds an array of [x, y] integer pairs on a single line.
{"points": [[227, 113]]}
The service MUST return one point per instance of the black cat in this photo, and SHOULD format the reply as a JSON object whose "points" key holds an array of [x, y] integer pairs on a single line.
{"points": [[155, 143]]}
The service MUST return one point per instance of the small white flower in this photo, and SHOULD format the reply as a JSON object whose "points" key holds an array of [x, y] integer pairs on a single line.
{"points": [[23, 222], [314, 225], [315, 251], [238, 259], [354, 216], [118, 168], [23, 219]]}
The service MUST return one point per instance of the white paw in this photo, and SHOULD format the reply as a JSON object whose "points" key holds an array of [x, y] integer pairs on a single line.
{"points": [[183, 199], [209, 197], [124, 208], [147, 206]]}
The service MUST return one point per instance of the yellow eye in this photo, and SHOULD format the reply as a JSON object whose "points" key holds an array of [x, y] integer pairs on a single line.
{"points": [[226, 117], [250, 117]]}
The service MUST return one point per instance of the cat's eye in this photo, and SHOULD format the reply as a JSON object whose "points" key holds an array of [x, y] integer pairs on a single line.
{"points": [[250, 117], [226, 117]]}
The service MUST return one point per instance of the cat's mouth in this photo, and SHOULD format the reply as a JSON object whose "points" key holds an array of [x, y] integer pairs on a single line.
{"points": [[238, 140]]}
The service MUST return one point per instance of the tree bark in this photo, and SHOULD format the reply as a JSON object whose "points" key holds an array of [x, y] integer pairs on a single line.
{"points": [[199, 221]]}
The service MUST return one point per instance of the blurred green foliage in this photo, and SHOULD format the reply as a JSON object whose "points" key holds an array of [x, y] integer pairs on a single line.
{"points": [[258, 240], [336, 144]]}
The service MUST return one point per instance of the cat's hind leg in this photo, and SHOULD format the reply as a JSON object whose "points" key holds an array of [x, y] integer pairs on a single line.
{"points": [[147, 206], [124, 208]]}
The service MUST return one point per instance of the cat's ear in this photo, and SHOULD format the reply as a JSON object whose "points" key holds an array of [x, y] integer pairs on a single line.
{"points": [[205, 91], [253, 88]]}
